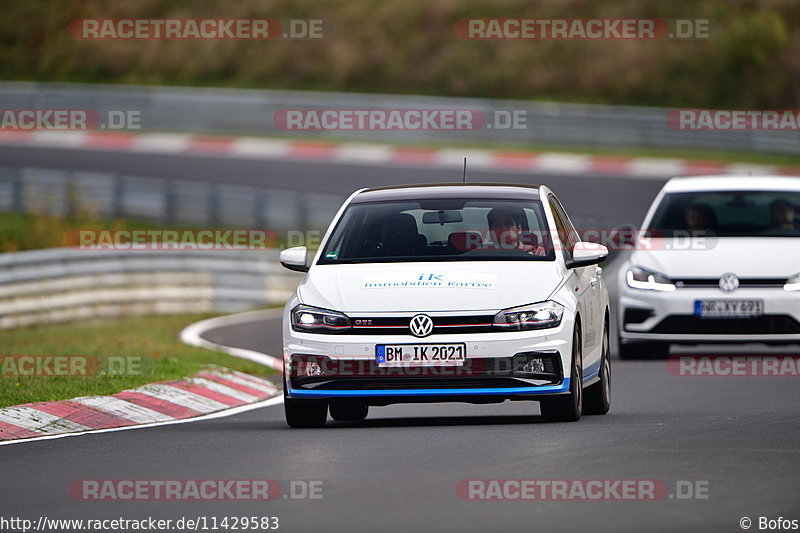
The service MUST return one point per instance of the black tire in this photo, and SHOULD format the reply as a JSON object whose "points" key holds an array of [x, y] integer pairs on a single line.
{"points": [[597, 398], [348, 411], [643, 350], [568, 408], [305, 413]]}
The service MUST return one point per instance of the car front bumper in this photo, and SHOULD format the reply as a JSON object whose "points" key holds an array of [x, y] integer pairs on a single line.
{"points": [[488, 375], [646, 315]]}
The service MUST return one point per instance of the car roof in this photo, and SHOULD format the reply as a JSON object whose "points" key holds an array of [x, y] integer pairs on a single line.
{"points": [[513, 191], [732, 183]]}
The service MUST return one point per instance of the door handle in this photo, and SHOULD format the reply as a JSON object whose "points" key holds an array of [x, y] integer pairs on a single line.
{"points": [[593, 282]]}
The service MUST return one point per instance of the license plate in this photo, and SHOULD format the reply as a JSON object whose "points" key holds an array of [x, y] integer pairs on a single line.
{"points": [[387, 355], [728, 308]]}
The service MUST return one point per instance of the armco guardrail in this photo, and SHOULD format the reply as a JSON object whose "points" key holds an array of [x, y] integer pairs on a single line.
{"points": [[239, 111], [63, 284], [166, 201]]}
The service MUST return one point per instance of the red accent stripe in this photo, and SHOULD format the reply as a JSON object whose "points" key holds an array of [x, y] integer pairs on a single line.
{"points": [[82, 414], [704, 167], [513, 159], [316, 150], [208, 393], [413, 155], [217, 145], [162, 406], [789, 171], [610, 164], [114, 141], [238, 386], [10, 431], [15, 135]]}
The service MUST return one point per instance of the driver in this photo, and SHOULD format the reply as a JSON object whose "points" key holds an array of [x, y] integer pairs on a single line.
{"points": [[505, 229]]}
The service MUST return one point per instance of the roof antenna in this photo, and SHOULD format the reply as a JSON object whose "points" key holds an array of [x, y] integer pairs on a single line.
{"points": [[465, 171]]}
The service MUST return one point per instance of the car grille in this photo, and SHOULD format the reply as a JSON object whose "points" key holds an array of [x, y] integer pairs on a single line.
{"points": [[714, 282], [442, 325], [760, 325]]}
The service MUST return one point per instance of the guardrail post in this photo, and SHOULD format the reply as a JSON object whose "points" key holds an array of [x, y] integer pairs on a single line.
{"points": [[16, 190], [213, 204], [261, 206], [170, 201], [116, 196]]}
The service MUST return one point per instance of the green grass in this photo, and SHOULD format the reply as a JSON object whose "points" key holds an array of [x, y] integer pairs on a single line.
{"points": [[153, 338], [34, 231]]}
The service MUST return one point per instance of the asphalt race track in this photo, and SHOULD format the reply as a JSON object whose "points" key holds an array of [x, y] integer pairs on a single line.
{"points": [[736, 437], [398, 470]]}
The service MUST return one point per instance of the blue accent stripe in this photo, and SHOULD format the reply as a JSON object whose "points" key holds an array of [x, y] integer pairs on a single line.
{"points": [[543, 389], [589, 374]]}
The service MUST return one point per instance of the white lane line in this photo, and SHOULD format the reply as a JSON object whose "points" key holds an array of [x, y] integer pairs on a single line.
{"points": [[259, 148], [160, 143], [360, 153], [277, 400], [181, 397], [568, 163], [192, 335], [223, 389], [35, 420], [123, 409]]}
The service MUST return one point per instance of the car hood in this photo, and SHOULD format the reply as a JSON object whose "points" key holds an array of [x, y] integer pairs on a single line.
{"points": [[747, 257], [416, 287]]}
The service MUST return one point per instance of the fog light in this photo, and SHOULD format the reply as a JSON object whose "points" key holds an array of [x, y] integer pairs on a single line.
{"points": [[534, 366], [309, 368]]}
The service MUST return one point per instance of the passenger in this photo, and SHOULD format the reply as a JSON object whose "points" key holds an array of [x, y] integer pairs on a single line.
{"points": [[783, 214]]}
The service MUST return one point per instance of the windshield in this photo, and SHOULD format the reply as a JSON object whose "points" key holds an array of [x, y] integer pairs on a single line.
{"points": [[728, 214], [440, 230]]}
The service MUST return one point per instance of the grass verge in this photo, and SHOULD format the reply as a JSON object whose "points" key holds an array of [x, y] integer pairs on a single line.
{"points": [[153, 338]]}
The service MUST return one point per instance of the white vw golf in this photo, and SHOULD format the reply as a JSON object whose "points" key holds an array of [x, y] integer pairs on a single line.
{"points": [[473, 293], [718, 261]]}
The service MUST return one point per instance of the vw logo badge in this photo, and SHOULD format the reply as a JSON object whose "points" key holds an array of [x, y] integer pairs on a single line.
{"points": [[729, 282], [421, 325]]}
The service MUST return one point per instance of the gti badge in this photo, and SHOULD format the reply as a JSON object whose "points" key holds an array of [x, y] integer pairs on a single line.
{"points": [[729, 282], [421, 325]]}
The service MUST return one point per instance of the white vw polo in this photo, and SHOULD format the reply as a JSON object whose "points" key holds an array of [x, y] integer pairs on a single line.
{"points": [[474, 293]]}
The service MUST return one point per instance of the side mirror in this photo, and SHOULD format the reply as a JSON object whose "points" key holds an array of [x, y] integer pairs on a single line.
{"points": [[295, 258], [587, 253]]}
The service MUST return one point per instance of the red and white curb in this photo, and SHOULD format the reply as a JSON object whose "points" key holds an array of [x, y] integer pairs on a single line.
{"points": [[372, 154], [210, 393]]}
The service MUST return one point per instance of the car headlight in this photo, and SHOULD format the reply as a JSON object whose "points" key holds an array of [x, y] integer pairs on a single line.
{"points": [[316, 320], [793, 283], [534, 316], [639, 278]]}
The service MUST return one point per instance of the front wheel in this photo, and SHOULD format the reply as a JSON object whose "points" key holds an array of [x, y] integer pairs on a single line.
{"points": [[598, 396], [568, 408], [304, 413]]}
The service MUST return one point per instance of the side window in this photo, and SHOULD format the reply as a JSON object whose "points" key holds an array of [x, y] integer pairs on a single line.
{"points": [[561, 228]]}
